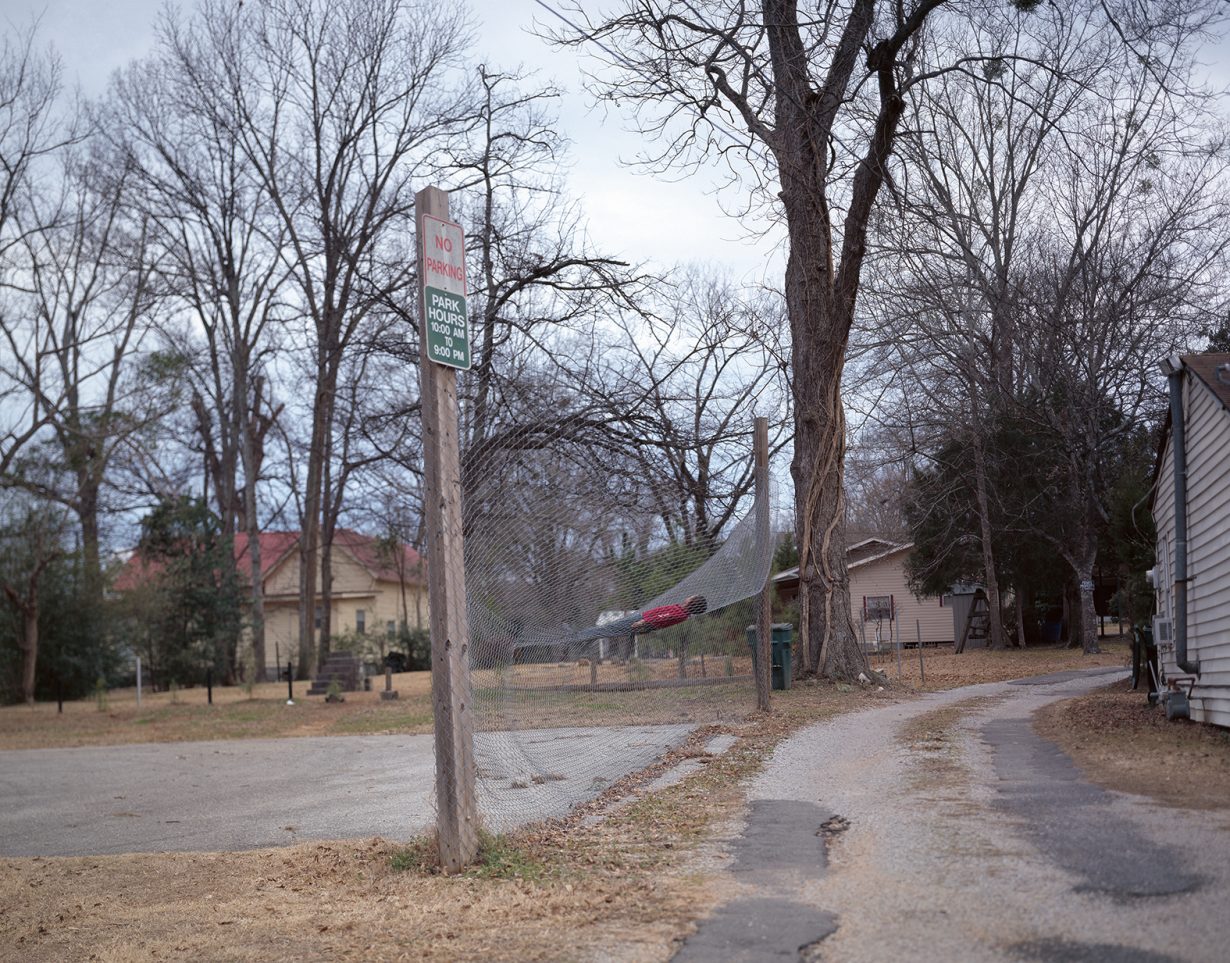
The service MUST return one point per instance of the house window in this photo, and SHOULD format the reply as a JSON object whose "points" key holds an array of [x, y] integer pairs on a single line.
{"points": [[320, 614], [360, 621], [390, 628], [878, 608]]}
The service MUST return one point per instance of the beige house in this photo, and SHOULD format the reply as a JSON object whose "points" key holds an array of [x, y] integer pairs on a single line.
{"points": [[1192, 573], [375, 588], [881, 604]]}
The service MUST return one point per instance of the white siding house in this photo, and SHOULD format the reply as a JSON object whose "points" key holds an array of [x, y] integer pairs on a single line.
{"points": [[1205, 392]]}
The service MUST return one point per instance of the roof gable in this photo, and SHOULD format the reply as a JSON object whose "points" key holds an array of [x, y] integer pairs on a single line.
{"points": [[858, 554], [1213, 371], [891, 549], [380, 557], [276, 548]]}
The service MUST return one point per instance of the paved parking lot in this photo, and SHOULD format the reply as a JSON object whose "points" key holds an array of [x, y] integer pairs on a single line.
{"points": [[247, 794]]}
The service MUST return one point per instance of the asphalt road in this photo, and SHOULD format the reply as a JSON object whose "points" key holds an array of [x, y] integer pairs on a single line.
{"points": [[984, 845], [252, 793]]}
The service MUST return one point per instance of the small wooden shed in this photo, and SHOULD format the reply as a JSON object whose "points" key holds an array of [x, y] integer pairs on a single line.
{"points": [[882, 606]]}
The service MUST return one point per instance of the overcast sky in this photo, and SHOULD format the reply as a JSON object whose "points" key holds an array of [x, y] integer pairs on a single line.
{"points": [[632, 215]]}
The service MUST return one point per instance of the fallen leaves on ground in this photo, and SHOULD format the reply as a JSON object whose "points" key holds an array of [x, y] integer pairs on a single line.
{"points": [[1125, 744]]}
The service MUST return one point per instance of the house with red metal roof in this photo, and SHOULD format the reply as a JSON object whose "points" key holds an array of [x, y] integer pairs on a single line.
{"points": [[376, 587]]}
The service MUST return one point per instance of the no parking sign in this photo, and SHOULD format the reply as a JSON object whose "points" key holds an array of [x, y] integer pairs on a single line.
{"points": [[446, 323]]}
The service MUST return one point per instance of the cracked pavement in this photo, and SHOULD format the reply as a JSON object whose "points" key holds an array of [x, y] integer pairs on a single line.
{"points": [[969, 837]]}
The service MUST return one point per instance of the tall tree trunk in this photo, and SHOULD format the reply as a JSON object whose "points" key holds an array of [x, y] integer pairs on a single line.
{"points": [[399, 564], [418, 602], [91, 562], [326, 587], [253, 429], [419, 535], [1066, 616], [27, 606], [1019, 605], [251, 523], [29, 650], [830, 645], [998, 640], [221, 460], [1088, 633], [310, 533], [821, 292], [331, 505]]}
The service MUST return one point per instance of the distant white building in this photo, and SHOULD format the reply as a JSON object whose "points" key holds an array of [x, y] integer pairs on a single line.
{"points": [[1193, 634]]}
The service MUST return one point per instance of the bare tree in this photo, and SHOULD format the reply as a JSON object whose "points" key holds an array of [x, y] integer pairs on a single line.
{"points": [[1044, 164], [813, 106], [364, 434], [337, 108], [33, 130], [32, 539], [536, 279], [1134, 271], [90, 293], [948, 290], [697, 373], [223, 264]]}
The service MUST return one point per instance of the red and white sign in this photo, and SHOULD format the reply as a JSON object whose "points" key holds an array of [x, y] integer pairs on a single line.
{"points": [[444, 255]]}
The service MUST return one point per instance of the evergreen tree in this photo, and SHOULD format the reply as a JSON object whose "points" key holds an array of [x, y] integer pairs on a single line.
{"points": [[186, 616]]}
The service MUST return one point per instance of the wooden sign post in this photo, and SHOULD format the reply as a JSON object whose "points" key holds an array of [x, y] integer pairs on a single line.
{"points": [[443, 272], [764, 649]]}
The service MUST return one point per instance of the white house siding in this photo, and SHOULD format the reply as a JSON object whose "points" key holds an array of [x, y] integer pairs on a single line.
{"points": [[1208, 548], [886, 577]]}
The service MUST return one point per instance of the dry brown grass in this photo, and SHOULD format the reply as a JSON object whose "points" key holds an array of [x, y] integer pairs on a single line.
{"points": [[1123, 743], [944, 669], [185, 716]]}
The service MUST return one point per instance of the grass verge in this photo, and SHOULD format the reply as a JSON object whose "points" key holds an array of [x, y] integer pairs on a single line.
{"points": [[1123, 743]]}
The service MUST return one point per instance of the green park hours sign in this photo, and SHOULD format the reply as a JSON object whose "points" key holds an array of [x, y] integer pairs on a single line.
{"points": [[446, 327], [448, 332]]}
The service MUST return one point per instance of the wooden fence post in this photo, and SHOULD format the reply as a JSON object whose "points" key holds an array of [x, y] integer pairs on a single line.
{"points": [[452, 706]]}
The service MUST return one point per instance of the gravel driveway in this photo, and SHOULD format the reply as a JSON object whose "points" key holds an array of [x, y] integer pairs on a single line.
{"points": [[969, 838]]}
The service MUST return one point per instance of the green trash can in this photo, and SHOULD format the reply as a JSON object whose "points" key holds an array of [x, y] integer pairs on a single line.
{"points": [[780, 640]]}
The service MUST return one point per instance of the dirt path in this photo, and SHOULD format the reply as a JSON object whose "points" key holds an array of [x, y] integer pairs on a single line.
{"points": [[955, 832]]}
